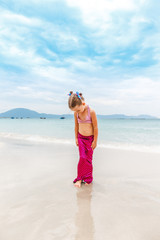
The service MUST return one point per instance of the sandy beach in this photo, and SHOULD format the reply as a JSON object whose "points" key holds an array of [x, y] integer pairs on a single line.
{"points": [[38, 200]]}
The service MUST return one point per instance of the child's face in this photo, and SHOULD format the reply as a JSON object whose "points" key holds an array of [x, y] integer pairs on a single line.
{"points": [[78, 109]]}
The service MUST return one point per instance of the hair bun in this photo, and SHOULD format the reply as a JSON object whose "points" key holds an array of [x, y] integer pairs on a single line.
{"points": [[80, 94]]}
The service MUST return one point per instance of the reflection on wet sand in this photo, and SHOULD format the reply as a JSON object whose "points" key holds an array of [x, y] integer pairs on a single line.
{"points": [[83, 220]]}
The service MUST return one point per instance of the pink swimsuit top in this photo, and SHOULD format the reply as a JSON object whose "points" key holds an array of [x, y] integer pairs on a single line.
{"points": [[88, 118]]}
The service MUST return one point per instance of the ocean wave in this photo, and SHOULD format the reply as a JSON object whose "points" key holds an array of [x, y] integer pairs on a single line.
{"points": [[35, 138], [106, 145]]}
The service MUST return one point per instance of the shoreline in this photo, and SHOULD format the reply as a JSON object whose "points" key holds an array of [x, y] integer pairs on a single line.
{"points": [[37, 139]]}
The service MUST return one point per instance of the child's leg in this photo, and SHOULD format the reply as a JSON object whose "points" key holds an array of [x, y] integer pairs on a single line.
{"points": [[85, 168]]}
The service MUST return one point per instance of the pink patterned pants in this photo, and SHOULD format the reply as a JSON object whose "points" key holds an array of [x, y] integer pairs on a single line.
{"points": [[85, 168]]}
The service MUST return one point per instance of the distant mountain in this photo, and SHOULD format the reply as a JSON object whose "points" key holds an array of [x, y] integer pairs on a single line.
{"points": [[27, 113], [122, 116], [145, 117]]}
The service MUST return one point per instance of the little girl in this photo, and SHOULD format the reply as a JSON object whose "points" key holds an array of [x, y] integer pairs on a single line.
{"points": [[86, 134]]}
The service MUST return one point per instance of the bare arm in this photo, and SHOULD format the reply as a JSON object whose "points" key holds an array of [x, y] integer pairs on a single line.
{"points": [[95, 125], [76, 126]]}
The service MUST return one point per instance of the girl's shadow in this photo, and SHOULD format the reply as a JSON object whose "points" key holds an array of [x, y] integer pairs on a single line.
{"points": [[84, 220]]}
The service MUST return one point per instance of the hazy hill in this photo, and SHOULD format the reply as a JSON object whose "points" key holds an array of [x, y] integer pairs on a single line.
{"points": [[122, 116], [24, 113]]}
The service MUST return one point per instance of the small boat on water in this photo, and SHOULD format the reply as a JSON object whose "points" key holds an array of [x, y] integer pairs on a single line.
{"points": [[62, 117]]}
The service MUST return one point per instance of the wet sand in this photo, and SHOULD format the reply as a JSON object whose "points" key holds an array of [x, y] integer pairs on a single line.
{"points": [[39, 201]]}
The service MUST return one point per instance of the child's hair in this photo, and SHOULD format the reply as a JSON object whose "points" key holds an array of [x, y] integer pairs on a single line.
{"points": [[75, 99]]}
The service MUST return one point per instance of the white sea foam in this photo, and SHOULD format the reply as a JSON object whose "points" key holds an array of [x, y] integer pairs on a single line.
{"points": [[107, 145], [35, 138]]}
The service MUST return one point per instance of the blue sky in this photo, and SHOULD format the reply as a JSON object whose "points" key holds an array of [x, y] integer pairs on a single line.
{"points": [[107, 49]]}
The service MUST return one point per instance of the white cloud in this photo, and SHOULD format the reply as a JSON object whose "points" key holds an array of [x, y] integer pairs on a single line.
{"points": [[93, 55], [18, 56], [98, 12], [113, 24], [132, 96], [101, 6], [105, 101], [14, 18], [19, 43], [60, 75], [140, 89]]}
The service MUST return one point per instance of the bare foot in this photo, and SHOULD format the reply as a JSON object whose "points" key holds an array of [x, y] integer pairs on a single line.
{"points": [[86, 184], [78, 184]]}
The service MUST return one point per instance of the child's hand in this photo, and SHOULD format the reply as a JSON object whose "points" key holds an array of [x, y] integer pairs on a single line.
{"points": [[77, 141], [94, 144]]}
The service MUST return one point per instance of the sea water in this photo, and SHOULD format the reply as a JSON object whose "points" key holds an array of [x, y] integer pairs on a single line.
{"points": [[135, 134]]}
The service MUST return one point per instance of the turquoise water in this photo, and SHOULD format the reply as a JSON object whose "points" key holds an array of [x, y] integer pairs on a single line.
{"points": [[116, 133]]}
